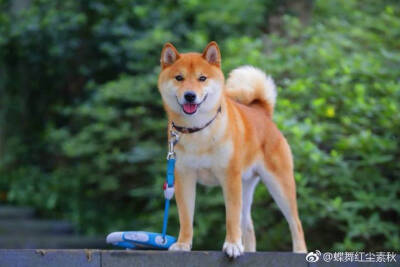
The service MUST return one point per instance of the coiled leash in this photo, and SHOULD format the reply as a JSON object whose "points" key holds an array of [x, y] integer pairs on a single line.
{"points": [[149, 240]]}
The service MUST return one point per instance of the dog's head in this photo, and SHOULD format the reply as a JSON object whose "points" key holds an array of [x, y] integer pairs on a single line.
{"points": [[191, 84]]}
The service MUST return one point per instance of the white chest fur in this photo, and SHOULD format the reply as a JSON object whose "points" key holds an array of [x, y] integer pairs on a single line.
{"points": [[205, 161]]}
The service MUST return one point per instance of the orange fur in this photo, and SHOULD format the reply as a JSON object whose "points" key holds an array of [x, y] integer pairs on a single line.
{"points": [[240, 145]]}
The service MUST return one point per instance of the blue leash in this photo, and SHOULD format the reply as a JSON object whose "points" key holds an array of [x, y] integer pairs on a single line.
{"points": [[149, 240], [168, 192]]}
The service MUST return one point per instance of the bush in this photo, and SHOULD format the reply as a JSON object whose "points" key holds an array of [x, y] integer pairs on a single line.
{"points": [[91, 141], [339, 108]]}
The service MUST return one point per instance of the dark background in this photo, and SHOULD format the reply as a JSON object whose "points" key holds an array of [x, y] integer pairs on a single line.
{"points": [[83, 132]]}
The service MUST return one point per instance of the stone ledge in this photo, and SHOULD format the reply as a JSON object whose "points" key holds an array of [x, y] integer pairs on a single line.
{"points": [[111, 258]]}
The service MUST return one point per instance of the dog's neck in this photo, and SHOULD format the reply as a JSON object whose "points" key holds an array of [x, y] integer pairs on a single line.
{"points": [[202, 122], [189, 130]]}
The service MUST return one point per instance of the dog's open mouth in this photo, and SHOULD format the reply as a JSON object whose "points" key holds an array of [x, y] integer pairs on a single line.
{"points": [[191, 108]]}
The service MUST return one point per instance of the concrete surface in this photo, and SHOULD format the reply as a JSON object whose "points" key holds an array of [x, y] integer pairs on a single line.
{"points": [[112, 258]]}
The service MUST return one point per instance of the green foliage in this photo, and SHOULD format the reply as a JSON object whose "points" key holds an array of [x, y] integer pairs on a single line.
{"points": [[339, 108], [85, 133]]}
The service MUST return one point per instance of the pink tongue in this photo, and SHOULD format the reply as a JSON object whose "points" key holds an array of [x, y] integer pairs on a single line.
{"points": [[190, 108]]}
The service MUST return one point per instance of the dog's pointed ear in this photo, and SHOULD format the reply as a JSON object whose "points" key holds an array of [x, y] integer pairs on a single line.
{"points": [[169, 55], [212, 55]]}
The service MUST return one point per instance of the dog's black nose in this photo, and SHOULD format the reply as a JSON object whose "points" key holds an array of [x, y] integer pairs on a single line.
{"points": [[190, 96]]}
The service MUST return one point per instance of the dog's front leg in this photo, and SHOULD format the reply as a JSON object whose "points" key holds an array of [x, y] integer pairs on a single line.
{"points": [[232, 188], [185, 194]]}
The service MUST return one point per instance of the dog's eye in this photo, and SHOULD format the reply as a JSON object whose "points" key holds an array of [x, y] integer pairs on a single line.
{"points": [[202, 78], [179, 78]]}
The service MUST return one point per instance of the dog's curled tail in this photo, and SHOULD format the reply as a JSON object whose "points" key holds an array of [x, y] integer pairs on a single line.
{"points": [[249, 85]]}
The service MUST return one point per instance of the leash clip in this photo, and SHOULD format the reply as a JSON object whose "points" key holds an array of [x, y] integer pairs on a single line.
{"points": [[171, 144]]}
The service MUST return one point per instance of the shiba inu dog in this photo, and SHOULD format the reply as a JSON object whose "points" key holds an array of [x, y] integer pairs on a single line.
{"points": [[227, 138]]}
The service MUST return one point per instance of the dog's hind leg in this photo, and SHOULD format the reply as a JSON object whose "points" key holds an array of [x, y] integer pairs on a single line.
{"points": [[282, 188], [248, 236]]}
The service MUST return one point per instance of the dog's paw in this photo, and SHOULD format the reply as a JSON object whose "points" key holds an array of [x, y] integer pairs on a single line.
{"points": [[233, 250], [180, 247]]}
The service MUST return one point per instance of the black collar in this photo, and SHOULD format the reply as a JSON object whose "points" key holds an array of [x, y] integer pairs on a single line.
{"points": [[187, 130]]}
